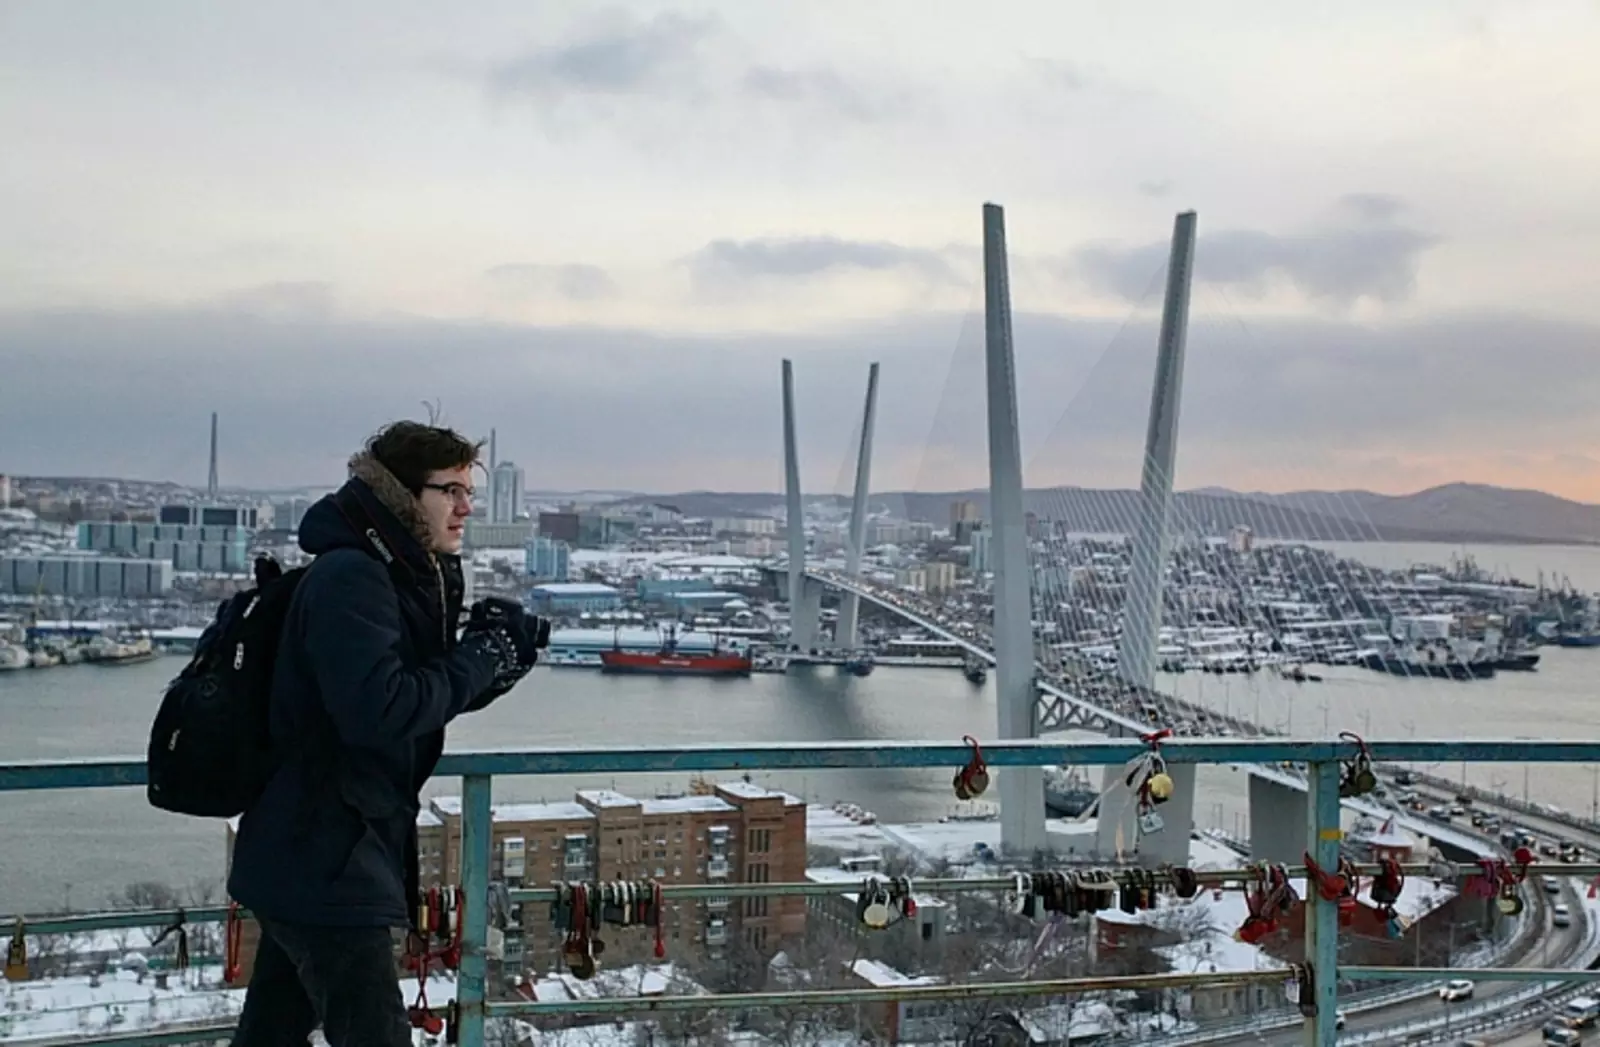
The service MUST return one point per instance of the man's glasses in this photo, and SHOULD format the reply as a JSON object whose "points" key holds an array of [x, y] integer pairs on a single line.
{"points": [[455, 492]]}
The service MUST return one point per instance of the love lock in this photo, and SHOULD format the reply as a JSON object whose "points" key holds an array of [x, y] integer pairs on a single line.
{"points": [[872, 904], [1150, 821], [1358, 779], [1396, 925], [972, 781], [905, 899], [1022, 893], [1510, 900], [1159, 786]]}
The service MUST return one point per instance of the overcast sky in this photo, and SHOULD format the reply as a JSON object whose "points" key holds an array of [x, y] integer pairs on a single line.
{"points": [[599, 230]]}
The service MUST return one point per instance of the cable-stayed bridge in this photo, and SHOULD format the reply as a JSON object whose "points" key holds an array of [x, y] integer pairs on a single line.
{"points": [[1043, 686]]}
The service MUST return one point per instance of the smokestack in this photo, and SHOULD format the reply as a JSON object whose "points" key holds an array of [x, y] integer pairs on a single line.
{"points": [[211, 477]]}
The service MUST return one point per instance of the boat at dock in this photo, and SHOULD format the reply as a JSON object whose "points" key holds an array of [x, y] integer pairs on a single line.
{"points": [[1068, 792], [670, 660]]}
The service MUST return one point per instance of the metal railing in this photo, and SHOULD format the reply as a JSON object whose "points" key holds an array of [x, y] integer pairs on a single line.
{"points": [[1324, 761]]}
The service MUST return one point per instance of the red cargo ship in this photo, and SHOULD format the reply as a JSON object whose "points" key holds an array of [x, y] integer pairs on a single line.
{"points": [[669, 660]]}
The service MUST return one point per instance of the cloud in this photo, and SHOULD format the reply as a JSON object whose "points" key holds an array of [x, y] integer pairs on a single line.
{"points": [[282, 300], [1278, 405], [1059, 73], [1363, 251], [824, 88], [577, 283], [614, 54], [724, 262]]}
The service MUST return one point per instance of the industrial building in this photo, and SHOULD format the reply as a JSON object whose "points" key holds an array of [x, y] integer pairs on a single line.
{"points": [[485, 534], [77, 575], [208, 538], [556, 598]]}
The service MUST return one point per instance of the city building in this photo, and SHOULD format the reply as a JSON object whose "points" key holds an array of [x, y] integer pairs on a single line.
{"points": [[288, 512], [562, 526], [484, 534], [728, 833], [981, 557], [213, 539], [208, 515], [744, 525], [963, 511], [548, 559], [505, 493], [923, 934], [85, 576], [556, 598]]}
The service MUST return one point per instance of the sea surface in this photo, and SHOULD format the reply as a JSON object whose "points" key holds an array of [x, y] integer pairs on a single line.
{"points": [[75, 848]]}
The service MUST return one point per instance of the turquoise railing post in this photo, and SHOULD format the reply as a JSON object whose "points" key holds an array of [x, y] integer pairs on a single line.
{"points": [[1323, 835], [477, 831]]}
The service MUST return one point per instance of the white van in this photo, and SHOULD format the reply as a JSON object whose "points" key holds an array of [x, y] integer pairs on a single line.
{"points": [[1582, 1010]]}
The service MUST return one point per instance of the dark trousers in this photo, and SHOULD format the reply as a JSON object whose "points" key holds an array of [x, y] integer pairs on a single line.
{"points": [[342, 978]]}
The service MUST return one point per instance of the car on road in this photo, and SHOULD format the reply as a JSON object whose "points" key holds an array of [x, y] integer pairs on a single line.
{"points": [[1550, 884], [1456, 989], [1560, 916]]}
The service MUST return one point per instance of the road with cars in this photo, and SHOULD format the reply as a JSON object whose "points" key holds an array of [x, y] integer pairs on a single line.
{"points": [[1554, 945]]}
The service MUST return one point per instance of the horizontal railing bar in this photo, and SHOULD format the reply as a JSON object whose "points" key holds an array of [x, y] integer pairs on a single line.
{"points": [[1236, 877], [810, 756], [908, 993], [1476, 974], [210, 1032]]}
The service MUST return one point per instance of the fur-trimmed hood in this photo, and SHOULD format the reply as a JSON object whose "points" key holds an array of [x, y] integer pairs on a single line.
{"points": [[373, 512], [392, 493]]}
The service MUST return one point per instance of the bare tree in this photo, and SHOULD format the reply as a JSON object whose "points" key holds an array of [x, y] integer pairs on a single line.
{"points": [[148, 894]]}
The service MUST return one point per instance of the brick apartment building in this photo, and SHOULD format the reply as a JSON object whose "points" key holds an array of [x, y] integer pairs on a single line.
{"points": [[731, 833], [736, 833]]}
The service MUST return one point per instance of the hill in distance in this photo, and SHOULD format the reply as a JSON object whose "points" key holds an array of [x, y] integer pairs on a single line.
{"points": [[1458, 512]]}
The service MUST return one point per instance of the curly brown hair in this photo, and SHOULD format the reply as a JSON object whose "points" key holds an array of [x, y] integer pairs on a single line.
{"points": [[413, 450]]}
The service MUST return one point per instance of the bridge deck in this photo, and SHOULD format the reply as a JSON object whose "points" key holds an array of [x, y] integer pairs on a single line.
{"points": [[1117, 723]]}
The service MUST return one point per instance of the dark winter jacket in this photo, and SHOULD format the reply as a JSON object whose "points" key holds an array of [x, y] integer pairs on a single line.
{"points": [[368, 674]]}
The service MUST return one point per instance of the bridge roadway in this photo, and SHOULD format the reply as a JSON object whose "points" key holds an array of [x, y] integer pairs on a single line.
{"points": [[1060, 710]]}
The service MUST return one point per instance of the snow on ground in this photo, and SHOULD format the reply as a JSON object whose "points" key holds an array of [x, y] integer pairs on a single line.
{"points": [[60, 1008]]}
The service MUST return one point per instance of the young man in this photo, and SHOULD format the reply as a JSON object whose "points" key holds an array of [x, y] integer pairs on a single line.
{"points": [[368, 674]]}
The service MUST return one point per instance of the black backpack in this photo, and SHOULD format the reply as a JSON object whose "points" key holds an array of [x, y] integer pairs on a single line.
{"points": [[210, 748]]}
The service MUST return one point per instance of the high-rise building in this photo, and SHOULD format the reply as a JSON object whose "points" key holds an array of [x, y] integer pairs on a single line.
{"points": [[548, 560], [5, 491], [982, 554], [505, 492], [961, 512]]}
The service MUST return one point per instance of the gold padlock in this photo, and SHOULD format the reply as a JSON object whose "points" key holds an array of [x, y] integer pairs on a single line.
{"points": [[1160, 787]]}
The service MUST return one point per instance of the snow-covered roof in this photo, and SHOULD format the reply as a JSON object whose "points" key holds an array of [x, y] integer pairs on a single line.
{"points": [[561, 811], [687, 805], [881, 975], [751, 791], [575, 589], [606, 798]]}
